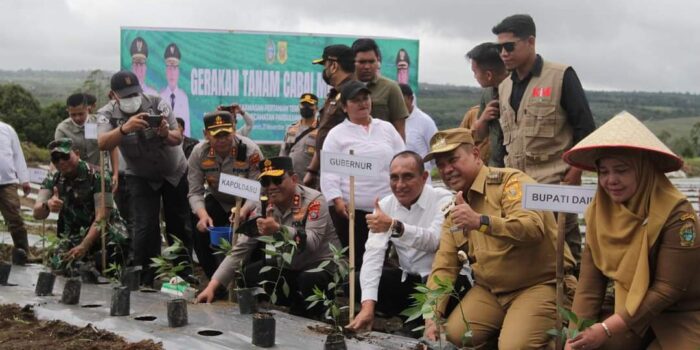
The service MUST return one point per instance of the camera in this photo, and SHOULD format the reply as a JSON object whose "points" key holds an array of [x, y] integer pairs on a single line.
{"points": [[154, 120]]}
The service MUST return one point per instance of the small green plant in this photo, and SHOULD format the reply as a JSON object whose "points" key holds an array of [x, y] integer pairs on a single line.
{"points": [[568, 332], [225, 248], [340, 271], [425, 303], [166, 265], [114, 271], [56, 247], [281, 247]]}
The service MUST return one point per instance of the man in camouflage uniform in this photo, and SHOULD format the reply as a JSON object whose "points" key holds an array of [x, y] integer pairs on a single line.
{"points": [[222, 152], [300, 139], [74, 192]]}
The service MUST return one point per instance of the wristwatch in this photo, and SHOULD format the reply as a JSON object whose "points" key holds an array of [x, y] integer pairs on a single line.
{"points": [[484, 223], [397, 229]]}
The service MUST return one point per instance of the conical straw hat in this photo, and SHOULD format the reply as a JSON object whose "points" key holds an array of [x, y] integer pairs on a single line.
{"points": [[622, 131]]}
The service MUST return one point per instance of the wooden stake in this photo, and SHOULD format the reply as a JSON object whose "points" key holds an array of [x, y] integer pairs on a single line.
{"points": [[234, 222], [102, 208], [561, 232], [351, 234]]}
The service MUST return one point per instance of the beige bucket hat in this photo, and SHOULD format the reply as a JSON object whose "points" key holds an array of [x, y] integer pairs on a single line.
{"points": [[622, 131]]}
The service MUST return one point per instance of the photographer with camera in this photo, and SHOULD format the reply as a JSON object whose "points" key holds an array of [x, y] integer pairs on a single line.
{"points": [[145, 130], [236, 109], [302, 213]]}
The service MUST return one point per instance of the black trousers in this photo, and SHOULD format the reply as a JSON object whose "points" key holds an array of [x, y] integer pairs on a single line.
{"points": [[301, 285], [144, 205], [342, 228], [202, 246], [121, 198]]}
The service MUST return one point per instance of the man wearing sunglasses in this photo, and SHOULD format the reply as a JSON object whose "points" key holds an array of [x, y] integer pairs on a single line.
{"points": [[75, 193], [302, 213], [223, 151], [543, 112]]}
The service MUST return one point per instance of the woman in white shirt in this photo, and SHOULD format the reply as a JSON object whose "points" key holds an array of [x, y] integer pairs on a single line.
{"points": [[366, 137]]}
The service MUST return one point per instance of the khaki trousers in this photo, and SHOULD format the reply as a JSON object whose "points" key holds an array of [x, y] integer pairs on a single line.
{"points": [[10, 209], [522, 317]]}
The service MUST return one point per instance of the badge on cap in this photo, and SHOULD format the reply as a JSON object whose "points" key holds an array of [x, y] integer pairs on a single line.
{"points": [[127, 80], [440, 142]]}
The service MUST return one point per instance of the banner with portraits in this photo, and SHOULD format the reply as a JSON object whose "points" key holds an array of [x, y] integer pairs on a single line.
{"points": [[266, 73]]}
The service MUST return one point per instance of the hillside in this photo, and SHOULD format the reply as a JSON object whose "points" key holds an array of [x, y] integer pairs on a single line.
{"points": [[674, 112]]}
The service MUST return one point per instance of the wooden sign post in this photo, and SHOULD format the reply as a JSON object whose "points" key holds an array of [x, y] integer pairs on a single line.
{"points": [[562, 199], [352, 166], [242, 188]]}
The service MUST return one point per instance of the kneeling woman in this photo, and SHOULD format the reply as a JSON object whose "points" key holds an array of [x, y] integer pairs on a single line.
{"points": [[641, 235]]}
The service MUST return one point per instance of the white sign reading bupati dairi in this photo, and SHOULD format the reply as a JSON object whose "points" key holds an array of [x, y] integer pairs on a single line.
{"points": [[239, 187], [351, 165], [560, 198]]}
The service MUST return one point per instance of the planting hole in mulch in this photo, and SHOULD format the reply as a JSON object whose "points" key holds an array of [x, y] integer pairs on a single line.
{"points": [[209, 333], [91, 306], [147, 290], [145, 318], [20, 327]]}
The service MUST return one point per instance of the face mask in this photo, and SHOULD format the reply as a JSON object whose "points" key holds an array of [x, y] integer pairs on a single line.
{"points": [[130, 105], [306, 112], [326, 77]]}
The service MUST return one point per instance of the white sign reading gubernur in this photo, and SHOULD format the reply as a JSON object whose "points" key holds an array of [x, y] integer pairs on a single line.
{"points": [[351, 165], [239, 187], [559, 198]]}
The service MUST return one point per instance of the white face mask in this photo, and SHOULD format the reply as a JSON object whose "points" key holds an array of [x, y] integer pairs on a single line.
{"points": [[130, 105]]}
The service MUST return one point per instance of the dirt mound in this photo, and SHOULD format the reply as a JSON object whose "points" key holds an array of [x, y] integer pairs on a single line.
{"points": [[20, 330]]}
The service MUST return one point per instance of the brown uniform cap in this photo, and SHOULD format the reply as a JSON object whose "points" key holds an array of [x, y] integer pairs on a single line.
{"points": [[447, 141]]}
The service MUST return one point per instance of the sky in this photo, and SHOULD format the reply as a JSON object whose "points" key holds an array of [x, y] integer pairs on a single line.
{"points": [[613, 45]]}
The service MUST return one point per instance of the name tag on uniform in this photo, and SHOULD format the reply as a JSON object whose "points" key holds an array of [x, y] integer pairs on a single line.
{"points": [[91, 131]]}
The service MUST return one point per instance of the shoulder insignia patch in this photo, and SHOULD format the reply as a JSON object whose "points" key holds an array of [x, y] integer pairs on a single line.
{"points": [[688, 216], [687, 234], [494, 177], [254, 160], [513, 190], [314, 210], [447, 207]]}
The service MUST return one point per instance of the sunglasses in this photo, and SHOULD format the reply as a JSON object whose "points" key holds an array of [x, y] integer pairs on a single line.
{"points": [[509, 46], [57, 157], [267, 180]]}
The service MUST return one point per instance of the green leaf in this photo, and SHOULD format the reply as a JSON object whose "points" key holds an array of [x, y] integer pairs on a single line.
{"points": [[287, 257], [584, 324], [285, 289], [265, 269], [267, 239], [554, 332], [568, 315], [273, 298]]}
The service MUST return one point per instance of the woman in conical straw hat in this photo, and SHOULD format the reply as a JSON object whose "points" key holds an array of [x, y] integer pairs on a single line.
{"points": [[641, 235]]}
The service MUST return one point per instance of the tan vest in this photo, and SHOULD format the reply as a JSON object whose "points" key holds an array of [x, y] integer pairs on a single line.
{"points": [[538, 133]]}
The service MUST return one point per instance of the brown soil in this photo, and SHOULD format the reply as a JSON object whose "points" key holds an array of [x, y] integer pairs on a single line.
{"points": [[20, 330], [6, 252]]}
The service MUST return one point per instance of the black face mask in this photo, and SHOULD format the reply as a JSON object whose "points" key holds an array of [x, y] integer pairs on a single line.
{"points": [[326, 77], [306, 112]]}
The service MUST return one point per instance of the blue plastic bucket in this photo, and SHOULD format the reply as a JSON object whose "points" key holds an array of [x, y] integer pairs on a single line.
{"points": [[217, 233]]}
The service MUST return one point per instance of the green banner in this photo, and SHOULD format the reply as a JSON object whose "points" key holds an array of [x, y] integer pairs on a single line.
{"points": [[196, 70]]}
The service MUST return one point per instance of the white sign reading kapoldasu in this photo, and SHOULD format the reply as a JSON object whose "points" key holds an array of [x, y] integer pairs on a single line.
{"points": [[351, 165], [560, 198], [239, 187]]}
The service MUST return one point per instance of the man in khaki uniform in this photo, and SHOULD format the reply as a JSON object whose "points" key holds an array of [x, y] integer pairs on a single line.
{"points": [[511, 250], [222, 152], [300, 139], [302, 214], [544, 112]]}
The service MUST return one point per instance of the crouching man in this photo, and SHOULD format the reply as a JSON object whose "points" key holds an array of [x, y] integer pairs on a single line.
{"points": [[74, 192], [293, 210], [410, 218], [511, 251]]}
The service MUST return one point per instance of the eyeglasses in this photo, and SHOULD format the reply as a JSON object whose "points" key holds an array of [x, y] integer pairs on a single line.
{"points": [[267, 180], [57, 157], [509, 46]]}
